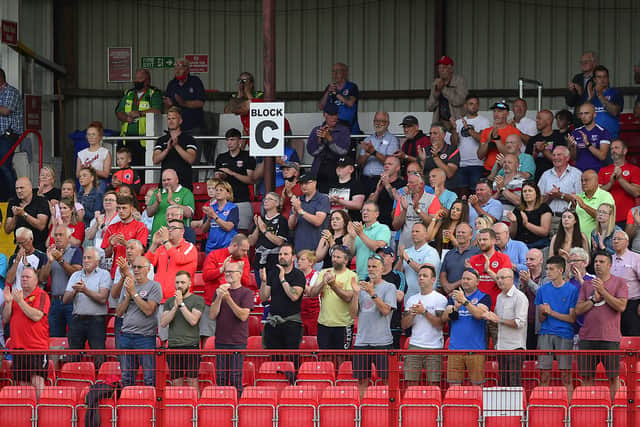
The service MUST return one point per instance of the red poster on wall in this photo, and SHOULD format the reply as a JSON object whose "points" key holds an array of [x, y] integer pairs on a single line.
{"points": [[33, 112], [119, 64], [198, 63], [9, 32]]}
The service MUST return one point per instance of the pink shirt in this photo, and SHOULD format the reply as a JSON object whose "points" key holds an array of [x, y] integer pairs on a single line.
{"points": [[601, 322], [627, 267]]}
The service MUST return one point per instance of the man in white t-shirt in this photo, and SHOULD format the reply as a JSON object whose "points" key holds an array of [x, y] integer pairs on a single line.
{"points": [[468, 129], [423, 314], [524, 124]]}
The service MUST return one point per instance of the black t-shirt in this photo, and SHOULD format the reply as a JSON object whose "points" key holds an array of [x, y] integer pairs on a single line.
{"points": [[239, 164], [523, 234], [449, 155], [277, 225], [38, 205], [396, 279], [385, 202], [174, 161], [281, 304], [550, 142], [346, 191], [53, 194]]}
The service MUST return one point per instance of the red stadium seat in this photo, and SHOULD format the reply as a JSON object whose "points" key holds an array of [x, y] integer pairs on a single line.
{"points": [[18, 406], [462, 406], [111, 325], [248, 373], [548, 407], [6, 376], [198, 283], [619, 408], [217, 406], [309, 343], [345, 374], [274, 374], [206, 375], [58, 343], [107, 409], [255, 326], [77, 374], [200, 190], [257, 407], [421, 406], [179, 406], [338, 406], [630, 343], [297, 407], [56, 406], [210, 347], [530, 375], [590, 405], [136, 406], [491, 373], [109, 370], [316, 374], [374, 407], [255, 343]]}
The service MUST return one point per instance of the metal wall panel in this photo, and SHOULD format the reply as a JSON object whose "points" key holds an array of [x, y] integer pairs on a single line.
{"points": [[496, 41], [388, 45]]}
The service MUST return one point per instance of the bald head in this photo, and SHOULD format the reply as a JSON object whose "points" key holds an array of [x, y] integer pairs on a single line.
{"points": [[24, 188], [169, 179], [534, 259], [589, 181]]}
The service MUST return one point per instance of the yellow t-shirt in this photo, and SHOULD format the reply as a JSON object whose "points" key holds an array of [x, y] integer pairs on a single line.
{"points": [[334, 311]]}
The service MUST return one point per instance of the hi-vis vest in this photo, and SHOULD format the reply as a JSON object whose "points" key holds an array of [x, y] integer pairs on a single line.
{"points": [[144, 104]]}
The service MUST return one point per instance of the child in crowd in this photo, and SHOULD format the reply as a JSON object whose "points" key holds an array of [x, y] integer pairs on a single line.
{"points": [[125, 175]]}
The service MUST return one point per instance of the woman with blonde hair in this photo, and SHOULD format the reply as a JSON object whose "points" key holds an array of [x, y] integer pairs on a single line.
{"points": [[221, 218], [602, 235], [69, 218], [46, 184]]}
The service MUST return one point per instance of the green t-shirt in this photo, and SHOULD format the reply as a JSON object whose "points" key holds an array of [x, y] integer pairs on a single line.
{"points": [[181, 333], [183, 197]]}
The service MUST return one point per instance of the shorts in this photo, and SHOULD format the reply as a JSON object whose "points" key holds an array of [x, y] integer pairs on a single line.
{"points": [[415, 363], [587, 364], [26, 366], [554, 342], [335, 337], [207, 326], [186, 364], [362, 362], [458, 363]]}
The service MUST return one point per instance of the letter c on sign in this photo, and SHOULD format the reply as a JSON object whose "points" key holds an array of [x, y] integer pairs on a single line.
{"points": [[260, 134]]}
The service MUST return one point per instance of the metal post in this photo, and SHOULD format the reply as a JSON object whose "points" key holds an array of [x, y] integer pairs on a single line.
{"points": [[394, 389], [539, 97], [269, 58]]}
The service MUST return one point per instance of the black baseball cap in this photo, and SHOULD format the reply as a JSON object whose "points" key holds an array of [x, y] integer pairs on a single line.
{"points": [[386, 250], [345, 161], [305, 177], [409, 121], [500, 105]]}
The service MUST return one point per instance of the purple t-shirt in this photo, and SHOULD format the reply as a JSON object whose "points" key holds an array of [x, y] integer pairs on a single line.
{"points": [[229, 329], [601, 322], [597, 136]]}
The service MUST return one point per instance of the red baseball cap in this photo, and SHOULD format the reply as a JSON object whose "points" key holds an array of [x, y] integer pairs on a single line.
{"points": [[445, 60]]}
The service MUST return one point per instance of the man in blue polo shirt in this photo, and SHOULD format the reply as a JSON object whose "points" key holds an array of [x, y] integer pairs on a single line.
{"points": [[589, 144], [309, 214], [465, 309]]}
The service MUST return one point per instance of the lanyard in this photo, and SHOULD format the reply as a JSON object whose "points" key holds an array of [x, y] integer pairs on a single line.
{"points": [[137, 100]]}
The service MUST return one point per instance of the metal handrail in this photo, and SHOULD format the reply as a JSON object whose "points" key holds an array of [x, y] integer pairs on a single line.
{"points": [[15, 145], [538, 83]]}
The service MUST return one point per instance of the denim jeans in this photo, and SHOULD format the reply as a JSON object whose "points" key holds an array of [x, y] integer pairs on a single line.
{"points": [[130, 363], [60, 316], [229, 366]]}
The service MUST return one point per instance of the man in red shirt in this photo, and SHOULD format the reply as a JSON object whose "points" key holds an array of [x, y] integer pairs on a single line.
{"points": [[27, 309], [622, 180], [170, 253], [493, 139], [116, 237], [213, 275], [488, 263]]}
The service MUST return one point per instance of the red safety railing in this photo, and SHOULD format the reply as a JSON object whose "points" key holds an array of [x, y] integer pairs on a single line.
{"points": [[22, 137], [391, 388]]}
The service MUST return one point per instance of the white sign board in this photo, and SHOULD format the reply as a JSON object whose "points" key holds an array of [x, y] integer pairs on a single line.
{"points": [[266, 129]]}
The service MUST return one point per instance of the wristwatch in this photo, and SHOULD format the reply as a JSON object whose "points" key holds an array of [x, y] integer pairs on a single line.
{"points": [[466, 303], [374, 296], [418, 211], [136, 295]]}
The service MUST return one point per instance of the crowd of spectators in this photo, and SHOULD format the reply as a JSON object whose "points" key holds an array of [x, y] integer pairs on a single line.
{"points": [[509, 234]]}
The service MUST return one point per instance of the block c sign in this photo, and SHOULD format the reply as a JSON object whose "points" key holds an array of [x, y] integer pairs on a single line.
{"points": [[266, 127]]}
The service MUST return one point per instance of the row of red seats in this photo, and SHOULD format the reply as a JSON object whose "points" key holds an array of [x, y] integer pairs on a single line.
{"points": [[297, 406]]}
